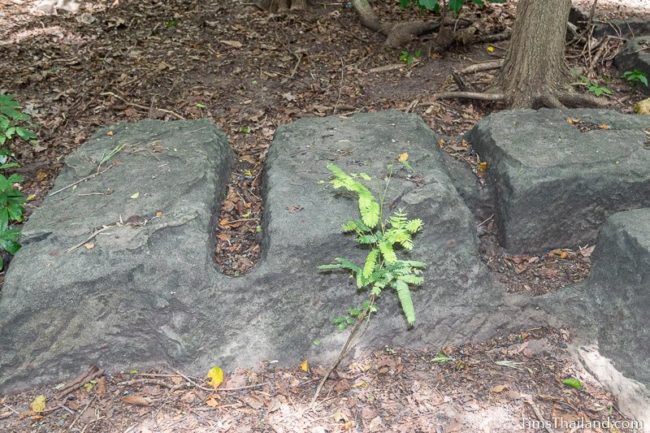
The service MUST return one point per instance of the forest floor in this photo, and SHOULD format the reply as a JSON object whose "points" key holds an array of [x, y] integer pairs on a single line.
{"points": [[251, 72]]}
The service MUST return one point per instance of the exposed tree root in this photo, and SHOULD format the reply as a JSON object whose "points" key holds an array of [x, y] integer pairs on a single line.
{"points": [[550, 100], [396, 33], [471, 95], [480, 67], [579, 100]]}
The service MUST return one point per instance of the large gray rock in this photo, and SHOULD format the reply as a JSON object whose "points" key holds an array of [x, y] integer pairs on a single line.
{"points": [[130, 298], [631, 27], [620, 287], [149, 295], [636, 55], [555, 182]]}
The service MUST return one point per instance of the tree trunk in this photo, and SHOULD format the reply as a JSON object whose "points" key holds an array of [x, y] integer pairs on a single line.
{"points": [[534, 72]]}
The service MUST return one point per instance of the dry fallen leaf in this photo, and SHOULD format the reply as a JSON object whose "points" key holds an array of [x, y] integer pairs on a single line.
{"points": [[304, 366], [572, 121], [212, 401], [137, 400], [499, 388]]}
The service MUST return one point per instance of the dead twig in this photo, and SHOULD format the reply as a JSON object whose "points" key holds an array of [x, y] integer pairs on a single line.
{"points": [[83, 179], [81, 412], [91, 237], [528, 399], [92, 373], [343, 352], [178, 116]]}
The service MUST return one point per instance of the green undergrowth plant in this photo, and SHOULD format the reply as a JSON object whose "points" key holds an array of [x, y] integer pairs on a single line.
{"points": [[636, 77], [13, 125], [435, 5], [594, 87], [382, 267]]}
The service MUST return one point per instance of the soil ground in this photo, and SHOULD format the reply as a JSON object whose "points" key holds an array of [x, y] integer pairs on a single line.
{"points": [[251, 72]]}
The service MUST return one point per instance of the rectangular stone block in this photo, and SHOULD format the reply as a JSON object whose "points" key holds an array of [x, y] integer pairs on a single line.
{"points": [[558, 174]]}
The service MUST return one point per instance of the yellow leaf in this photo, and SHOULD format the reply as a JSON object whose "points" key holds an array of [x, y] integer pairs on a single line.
{"points": [[89, 245], [490, 49], [135, 195], [216, 377], [604, 126], [572, 121], [31, 197], [441, 143], [304, 366], [38, 405], [499, 388], [88, 386], [159, 214], [403, 157], [564, 255], [642, 107], [109, 133], [482, 167]]}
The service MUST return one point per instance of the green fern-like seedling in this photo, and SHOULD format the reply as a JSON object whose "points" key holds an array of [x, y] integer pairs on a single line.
{"points": [[382, 267]]}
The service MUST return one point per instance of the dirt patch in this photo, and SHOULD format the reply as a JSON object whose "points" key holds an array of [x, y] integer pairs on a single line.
{"points": [[508, 384]]}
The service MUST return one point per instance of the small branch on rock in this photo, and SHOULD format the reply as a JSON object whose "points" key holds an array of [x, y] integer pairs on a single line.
{"points": [[83, 179], [344, 350], [90, 238]]}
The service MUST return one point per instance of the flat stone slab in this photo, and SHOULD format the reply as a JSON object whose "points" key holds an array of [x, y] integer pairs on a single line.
{"points": [[557, 180], [620, 287], [127, 293], [636, 55], [146, 291]]}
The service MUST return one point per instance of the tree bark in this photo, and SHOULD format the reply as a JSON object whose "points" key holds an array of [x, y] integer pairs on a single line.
{"points": [[534, 68]]}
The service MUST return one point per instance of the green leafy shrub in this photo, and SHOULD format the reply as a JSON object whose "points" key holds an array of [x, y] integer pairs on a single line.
{"points": [[13, 121], [594, 87], [434, 5], [13, 124], [382, 268], [636, 77]]}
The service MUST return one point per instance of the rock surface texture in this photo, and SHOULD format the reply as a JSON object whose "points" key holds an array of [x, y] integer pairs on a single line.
{"points": [[558, 174], [620, 287], [145, 291], [128, 294], [119, 271], [636, 55]]}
